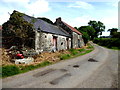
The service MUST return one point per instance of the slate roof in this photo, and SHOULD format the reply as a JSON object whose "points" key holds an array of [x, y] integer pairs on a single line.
{"points": [[45, 27], [73, 29]]}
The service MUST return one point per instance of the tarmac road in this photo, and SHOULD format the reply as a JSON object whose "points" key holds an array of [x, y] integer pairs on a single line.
{"points": [[75, 73]]}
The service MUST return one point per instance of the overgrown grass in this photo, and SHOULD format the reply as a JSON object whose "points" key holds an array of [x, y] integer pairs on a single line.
{"points": [[31, 67], [65, 56], [68, 56], [76, 52], [86, 51], [81, 50], [10, 70], [73, 51]]}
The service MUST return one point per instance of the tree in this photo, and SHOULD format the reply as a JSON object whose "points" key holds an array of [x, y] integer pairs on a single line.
{"points": [[98, 26], [89, 30], [85, 37], [112, 31], [84, 30], [116, 35]]}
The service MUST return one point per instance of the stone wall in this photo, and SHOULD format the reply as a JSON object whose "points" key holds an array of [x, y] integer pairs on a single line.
{"points": [[77, 40], [44, 42], [81, 41]]}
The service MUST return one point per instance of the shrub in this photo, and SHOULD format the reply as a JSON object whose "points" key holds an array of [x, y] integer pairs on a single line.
{"points": [[10, 70]]}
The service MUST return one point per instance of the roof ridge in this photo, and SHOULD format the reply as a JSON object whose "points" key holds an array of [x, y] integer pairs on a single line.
{"points": [[72, 28]]}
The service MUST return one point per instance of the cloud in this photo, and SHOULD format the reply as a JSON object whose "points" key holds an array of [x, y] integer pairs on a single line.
{"points": [[108, 21], [113, 4], [38, 7], [29, 7], [80, 21], [15, 1], [81, 4]]}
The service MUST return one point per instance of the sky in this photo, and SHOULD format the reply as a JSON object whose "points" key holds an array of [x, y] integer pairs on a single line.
{"points": [[76, 13]]}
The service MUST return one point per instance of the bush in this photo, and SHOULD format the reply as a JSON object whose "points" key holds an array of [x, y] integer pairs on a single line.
{"points": [[10, 70]]}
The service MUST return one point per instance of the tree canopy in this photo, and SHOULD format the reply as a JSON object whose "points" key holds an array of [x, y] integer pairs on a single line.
{"points": [[88, 29], [98, 26], [87, 32], [112, 31]]}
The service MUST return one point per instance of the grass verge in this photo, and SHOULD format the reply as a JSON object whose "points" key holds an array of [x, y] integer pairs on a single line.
{"points": [[10, 70], [77, 52]]}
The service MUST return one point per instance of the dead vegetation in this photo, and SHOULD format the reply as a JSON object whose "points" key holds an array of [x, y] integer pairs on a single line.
{"points": [[49, 56], [45, 56], [5, 58]]}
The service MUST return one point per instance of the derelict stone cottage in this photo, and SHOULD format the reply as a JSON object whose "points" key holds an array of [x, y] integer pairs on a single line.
{"points": [[48, 37], [76, 36]]}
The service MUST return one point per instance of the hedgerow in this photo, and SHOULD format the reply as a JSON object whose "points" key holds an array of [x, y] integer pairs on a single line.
{"points": [[108, 42]]}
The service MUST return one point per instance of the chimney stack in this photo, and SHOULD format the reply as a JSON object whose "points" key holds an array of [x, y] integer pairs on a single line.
{"points": [[58, 19]]}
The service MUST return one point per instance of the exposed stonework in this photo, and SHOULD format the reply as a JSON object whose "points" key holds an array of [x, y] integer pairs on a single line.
{"points": [[46, 42], [76, 36]]}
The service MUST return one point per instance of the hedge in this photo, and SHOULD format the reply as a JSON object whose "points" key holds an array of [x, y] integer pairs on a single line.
{"points": [[108, 42]]}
